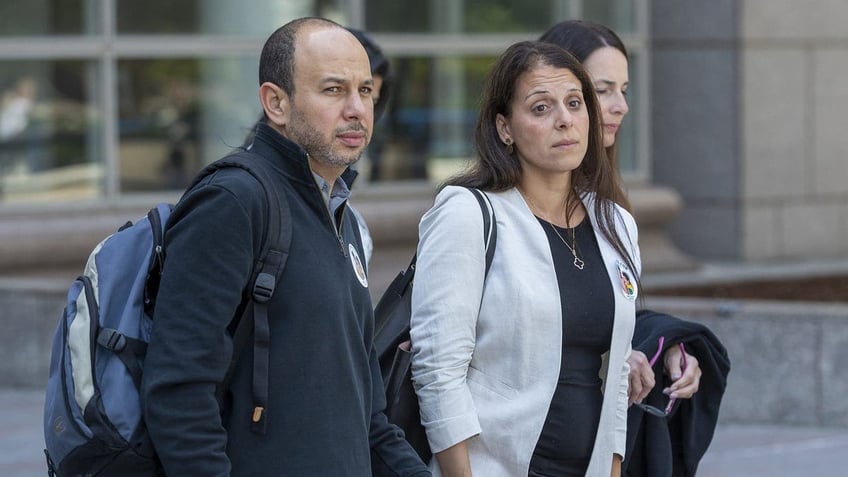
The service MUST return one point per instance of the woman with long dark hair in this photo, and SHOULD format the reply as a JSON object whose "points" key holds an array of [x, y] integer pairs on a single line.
{"points": [[523, 371]]}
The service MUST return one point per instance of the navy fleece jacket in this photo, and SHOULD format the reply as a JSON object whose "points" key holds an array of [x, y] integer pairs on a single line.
{"points": [[325, 410]]}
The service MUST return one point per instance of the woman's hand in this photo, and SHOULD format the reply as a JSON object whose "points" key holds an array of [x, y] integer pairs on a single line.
{"points": [[641, 377], [685, 373]]}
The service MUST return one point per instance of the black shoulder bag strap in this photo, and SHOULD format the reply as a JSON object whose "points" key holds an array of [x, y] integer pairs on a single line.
{"points": [[387, 330], [266, 273], [490, 227]]}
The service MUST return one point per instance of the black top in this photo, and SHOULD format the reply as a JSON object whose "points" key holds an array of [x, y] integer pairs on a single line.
{"points": [[568, 435], [326, 396]]}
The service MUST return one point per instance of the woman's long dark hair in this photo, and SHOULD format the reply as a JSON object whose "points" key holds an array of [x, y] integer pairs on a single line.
{"points": [[581, 38], [495, 169]]}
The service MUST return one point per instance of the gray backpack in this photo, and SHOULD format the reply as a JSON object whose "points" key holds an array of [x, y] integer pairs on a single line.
{"points": [[93, 421]]}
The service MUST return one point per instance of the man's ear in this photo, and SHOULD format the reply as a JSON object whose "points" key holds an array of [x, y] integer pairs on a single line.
{"points": [[275, 102]]}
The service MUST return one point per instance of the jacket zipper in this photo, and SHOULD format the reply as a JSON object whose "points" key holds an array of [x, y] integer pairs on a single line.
{"points": [[329, 215], [336, 229]]}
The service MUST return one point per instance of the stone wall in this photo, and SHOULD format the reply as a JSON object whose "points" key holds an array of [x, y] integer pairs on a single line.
{"points": [[41, 251], [747, 126], [786, 358], [695, 121], [794, 148], [31, 310]]}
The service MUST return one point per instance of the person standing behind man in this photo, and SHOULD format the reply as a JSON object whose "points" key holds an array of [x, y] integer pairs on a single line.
{"points": [[325, 405], [670, 442], [381, 72]]}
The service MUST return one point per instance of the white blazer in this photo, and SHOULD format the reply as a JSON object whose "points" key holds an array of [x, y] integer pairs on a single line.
{"points": [[486, 358]]}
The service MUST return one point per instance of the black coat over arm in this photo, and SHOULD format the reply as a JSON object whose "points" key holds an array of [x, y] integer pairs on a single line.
{"points": [[673, 446]]}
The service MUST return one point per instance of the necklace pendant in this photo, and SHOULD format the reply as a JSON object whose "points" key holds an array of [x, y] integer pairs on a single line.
{"points": [[578, 263]]}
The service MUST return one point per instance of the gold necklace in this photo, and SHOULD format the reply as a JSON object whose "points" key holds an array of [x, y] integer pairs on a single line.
{"points": [[578, 263]]}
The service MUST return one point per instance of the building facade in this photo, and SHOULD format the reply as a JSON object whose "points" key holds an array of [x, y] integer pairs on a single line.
{"points": [[747, 126], [732, 146]]}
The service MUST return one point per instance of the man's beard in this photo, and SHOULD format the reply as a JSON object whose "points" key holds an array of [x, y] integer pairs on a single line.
{"points": [[318, 149]]}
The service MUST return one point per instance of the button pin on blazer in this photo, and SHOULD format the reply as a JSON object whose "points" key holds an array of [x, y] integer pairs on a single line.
{"points": [[628, 285]]}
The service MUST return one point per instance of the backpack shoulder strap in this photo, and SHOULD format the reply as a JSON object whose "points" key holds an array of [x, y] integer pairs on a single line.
{"points": [[266, 273]]}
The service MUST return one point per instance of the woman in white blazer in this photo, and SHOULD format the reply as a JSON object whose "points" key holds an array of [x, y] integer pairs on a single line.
{"points": [[523, 371]]}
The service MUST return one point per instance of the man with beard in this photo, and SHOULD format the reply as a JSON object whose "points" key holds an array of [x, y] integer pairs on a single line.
{"points": [[324, 412]]}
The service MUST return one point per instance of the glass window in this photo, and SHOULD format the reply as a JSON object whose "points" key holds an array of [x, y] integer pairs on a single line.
{"points": [[471, 16], [427, 130], [620, 15], [49, 131], [158, 16], [46, 17], [493, 16], [176, 115], [220, 17]]}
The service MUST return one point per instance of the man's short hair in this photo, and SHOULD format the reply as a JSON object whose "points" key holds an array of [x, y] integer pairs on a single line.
{"points": [[276, 64]]}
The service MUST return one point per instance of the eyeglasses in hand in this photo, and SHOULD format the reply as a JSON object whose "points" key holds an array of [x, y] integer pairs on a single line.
{"points": [[655, 411]]}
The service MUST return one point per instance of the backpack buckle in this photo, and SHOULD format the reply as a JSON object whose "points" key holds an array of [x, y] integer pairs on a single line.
{"points": [[263, 289], [111, 339]]}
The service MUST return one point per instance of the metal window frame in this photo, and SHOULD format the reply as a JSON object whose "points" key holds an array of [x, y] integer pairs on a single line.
{"points": [[105, 47]]}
